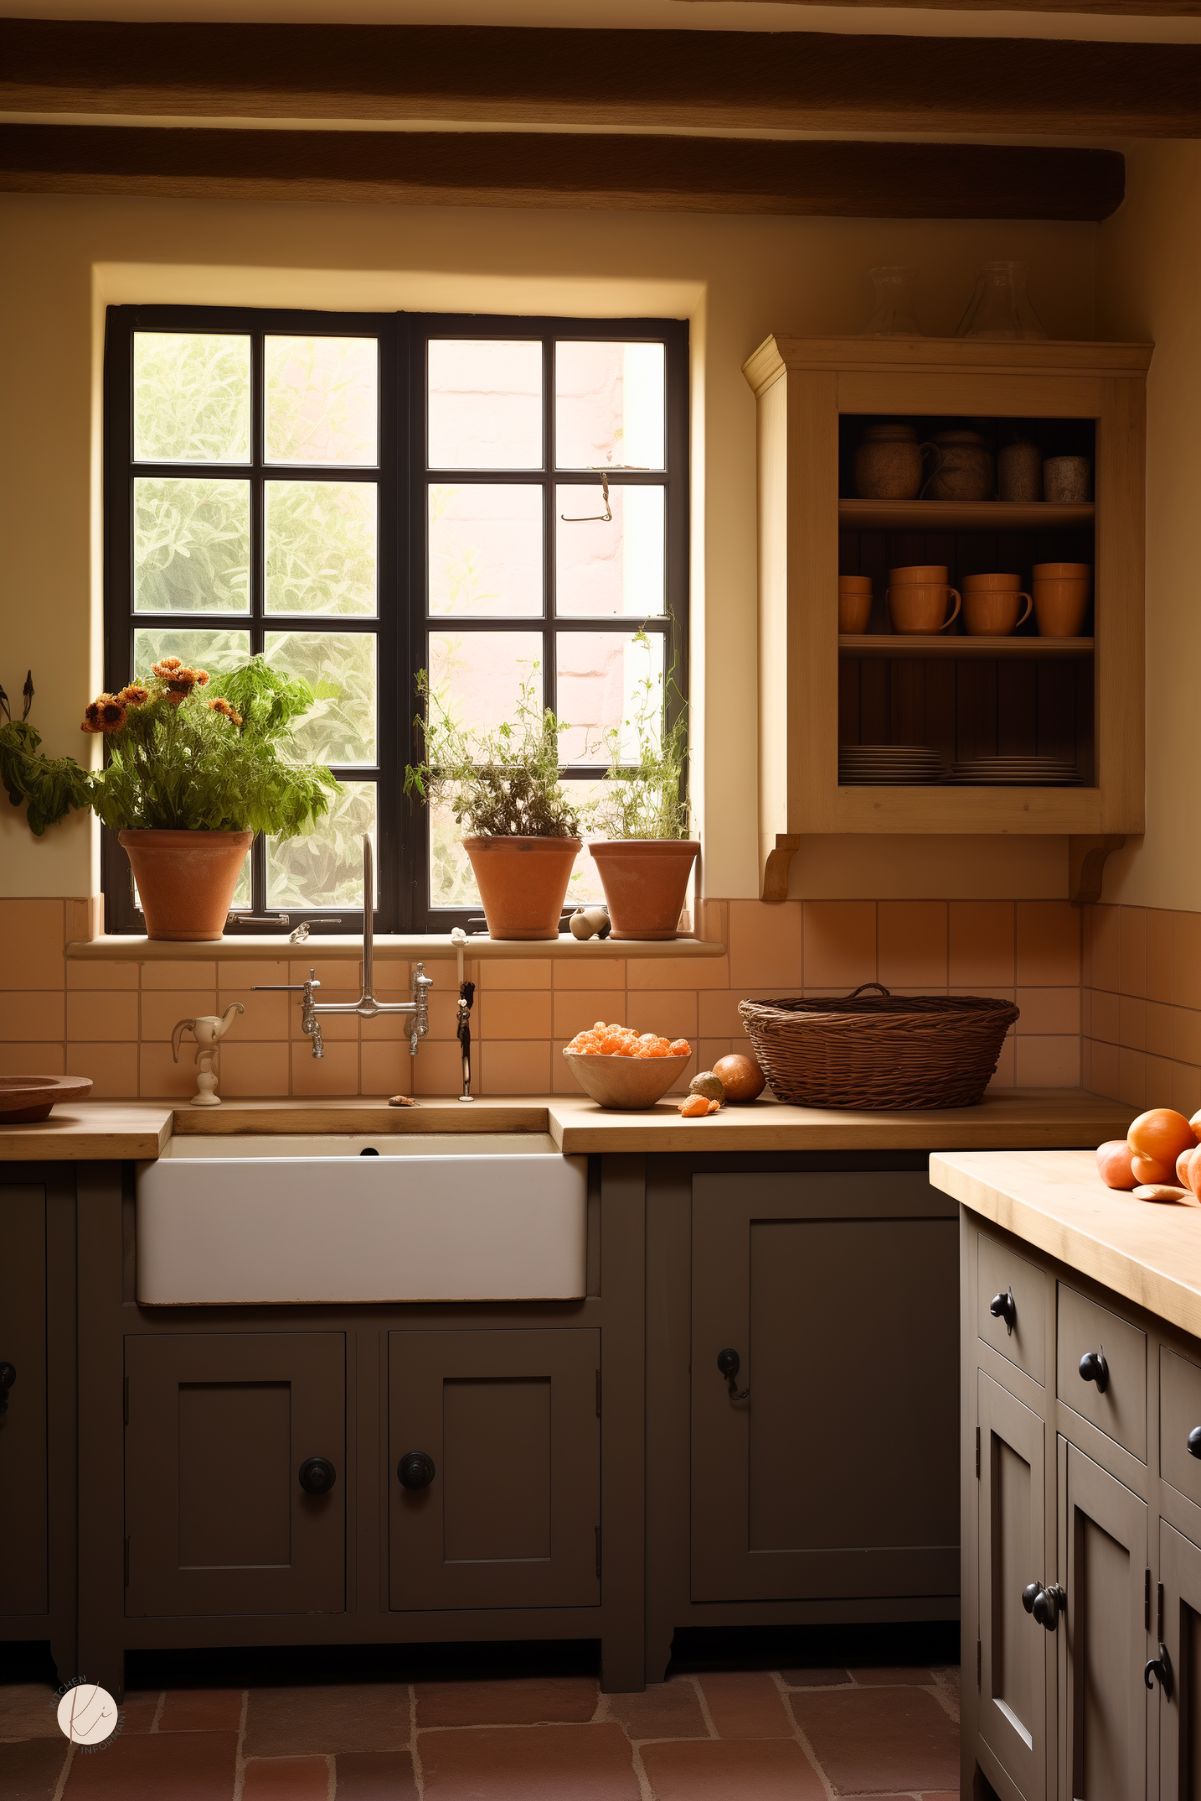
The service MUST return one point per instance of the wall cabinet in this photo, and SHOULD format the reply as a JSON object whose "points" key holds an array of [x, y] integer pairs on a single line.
{"points": [[1082, 1566]]}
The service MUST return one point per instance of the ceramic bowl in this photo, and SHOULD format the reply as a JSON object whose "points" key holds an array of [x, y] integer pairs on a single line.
{"points": [[26, 1100], [628, 1084]]}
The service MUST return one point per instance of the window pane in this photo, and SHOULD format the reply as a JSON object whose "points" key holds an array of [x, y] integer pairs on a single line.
{"points": [[322, 400], [325, 869], [485, 404], [340, 667], [615, 569], [320, 547], [191, 397], [191, 545], [485, 548], [609, 405], [584, 885], [218, 652], [477, 676], [606, 682]]}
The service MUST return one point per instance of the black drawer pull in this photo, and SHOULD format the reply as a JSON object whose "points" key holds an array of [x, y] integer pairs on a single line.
{"points": [[1093, 1368], [317, 1475], [1193, 1442], [416, 1470], [1003, 1306], [8, 1375], [729, 1363], [1159, 1669]]}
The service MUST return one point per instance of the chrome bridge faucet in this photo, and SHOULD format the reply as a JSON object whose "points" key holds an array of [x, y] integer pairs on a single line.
{"points": [[312, 1012]]}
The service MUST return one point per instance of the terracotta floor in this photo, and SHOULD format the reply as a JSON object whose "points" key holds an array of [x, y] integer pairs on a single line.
{"points": [[789, 1735]]}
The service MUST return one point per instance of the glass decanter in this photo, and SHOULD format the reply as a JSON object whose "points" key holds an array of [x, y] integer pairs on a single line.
{"points": [[892, 314], [1000, 306]]}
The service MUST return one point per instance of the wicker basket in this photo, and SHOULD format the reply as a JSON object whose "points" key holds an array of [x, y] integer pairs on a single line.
{"points": [[876, 1051]]}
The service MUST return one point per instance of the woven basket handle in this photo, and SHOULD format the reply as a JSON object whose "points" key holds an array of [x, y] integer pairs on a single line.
{"points": [[863, 988]]}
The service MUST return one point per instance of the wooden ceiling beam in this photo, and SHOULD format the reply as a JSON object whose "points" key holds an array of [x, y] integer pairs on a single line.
{"points": [[1109, 9], [860, 180], [686, 80]]}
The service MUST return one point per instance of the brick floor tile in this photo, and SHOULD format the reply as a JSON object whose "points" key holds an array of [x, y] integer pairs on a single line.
{"points": [[139, 1708], [815, 1678], [28, 1710], [894, 1678], [322, 1720], [529, 1763], [524, 1701], [154, 1766], [745, 1704], [201, 1710], [879, 1739], [30, 1768], [731, 1770], [664, 1710], [286, 1779], [375, 1776]]}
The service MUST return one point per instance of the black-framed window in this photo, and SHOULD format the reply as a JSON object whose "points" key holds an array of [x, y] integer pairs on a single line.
{"points": [[358, 496]]}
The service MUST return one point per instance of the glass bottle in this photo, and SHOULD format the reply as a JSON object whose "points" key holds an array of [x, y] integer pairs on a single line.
{"points": [[892, 314], [1000, 306]]}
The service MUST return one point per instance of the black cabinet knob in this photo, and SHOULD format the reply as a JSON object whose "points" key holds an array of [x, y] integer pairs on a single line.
{"points": [[317, 1475], [1159, 1669], [1030, 1594], [1093, 1368], [1003, 1306], [1045, 1604], [1193, 1442], [416, 1470], [8, 1375], [729, 1363]]}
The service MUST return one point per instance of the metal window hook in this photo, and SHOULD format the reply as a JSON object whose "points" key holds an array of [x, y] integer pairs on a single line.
{"points": [[605, 518]]}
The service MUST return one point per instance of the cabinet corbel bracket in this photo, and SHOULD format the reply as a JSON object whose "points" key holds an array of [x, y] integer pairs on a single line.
{"points": [[1086, 865], [778, 865]]}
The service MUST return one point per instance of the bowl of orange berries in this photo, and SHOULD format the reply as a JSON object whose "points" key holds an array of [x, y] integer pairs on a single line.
{"points": [[625, 1069]]}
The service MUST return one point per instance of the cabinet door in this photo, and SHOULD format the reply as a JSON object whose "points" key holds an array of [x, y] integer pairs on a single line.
{"points": [[1012, 1553], [1103, 1633], [223, 1507], [837, 1473], [23, 1582], [498, 1505], [1180, 1710]]}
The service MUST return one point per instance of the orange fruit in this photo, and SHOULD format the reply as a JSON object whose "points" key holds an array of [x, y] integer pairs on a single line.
{"points": [[1160, 1135], [1148, 1172], [1195, 1123], [1113, 1162]]}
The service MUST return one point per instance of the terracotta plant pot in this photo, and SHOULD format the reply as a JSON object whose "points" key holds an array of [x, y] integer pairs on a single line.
{"points": [[522, 883], [186, 880], [645, 881]]}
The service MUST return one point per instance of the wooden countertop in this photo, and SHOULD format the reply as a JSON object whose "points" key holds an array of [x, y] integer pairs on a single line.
{"points": [[1148, 1252], [1033, 1118]]}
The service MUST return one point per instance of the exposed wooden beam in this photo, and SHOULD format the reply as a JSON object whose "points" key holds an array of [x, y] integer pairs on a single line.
{"points": [[755, 175], [687, 80], [1110, 9]]}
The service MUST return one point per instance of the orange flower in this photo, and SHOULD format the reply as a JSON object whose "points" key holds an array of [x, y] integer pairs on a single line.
{"points": [[202, 678], [181, 681], [91, 716], [226, 711], [134, 695], [165, 668], [112, 713]]}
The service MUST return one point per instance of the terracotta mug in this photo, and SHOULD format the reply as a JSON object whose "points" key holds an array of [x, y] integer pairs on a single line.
{"points": [[854, 603], [921, 606], [992, 605], [1061, 596]]}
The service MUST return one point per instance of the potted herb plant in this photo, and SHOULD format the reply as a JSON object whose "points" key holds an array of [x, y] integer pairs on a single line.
{"points": [[644, 853], [194, 769], [521, 829]]}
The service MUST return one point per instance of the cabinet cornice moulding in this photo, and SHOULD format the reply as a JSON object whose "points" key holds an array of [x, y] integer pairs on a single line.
{"points": [[934, 356]]}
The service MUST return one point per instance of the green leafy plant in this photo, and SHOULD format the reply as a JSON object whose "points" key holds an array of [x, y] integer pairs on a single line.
{"points": [[47, 787], [503, 782], [643, 795]]}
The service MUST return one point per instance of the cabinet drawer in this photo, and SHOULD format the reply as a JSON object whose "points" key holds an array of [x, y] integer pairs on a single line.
{"points": [[1179, 1414], [1019, 1331], [1117, 1401]]}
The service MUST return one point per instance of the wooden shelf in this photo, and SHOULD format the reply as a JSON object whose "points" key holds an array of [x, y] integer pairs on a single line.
{"points": [[962, 515], [902, 644]]}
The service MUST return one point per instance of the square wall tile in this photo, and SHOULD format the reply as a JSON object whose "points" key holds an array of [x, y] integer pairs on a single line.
{"points": [[20, 1059], [516, 972], [1106, 1074], [253, 1071], [575, 1011], [1132, 951], [163, 1008], [1105, 1016], [1101, 932], [109, 974], [335, 1073], [514, 1068], [387, 1068], [31, 944], [160, 1078], [1171, 1084], [101, 1018], [113, 1069], [439, 1070], [1186, 959], [669, 1012], [264, 1016], [1160, 980], [1132, 1023], [912, 943], [1048, 944], [1161, 1029], [588, 972], [1048, 1010], [510, 1013], [1047, 1062], [678, 972], [1132, 1078], [181, 972], [766, 944], [840, 944], [36, 1014], [980, 943], [717, 1013]]}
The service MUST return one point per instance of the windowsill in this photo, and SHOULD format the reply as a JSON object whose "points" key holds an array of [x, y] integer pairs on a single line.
{"points": [[393, 948]]}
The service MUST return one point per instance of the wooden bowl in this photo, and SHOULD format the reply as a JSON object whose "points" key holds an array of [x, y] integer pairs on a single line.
{"points": [[628, 1084], [24, 1100]]}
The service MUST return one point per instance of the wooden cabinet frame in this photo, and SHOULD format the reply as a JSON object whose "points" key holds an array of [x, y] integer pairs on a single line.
{"points": [[803, 386]]}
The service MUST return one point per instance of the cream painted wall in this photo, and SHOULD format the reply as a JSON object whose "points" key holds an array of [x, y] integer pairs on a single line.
{"points": [[64, 259], [1149, 287]]}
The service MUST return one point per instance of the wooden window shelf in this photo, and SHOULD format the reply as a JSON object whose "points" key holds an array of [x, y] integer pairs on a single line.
{"points": [[897, 644], [961, 515]]}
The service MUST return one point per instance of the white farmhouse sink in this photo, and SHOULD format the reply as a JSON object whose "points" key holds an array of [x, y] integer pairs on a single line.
{"points": [[248, 1220]]}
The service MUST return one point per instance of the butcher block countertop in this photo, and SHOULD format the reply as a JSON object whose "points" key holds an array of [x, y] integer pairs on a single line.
{"points": [[1149, 1252], [1041, 1118]]}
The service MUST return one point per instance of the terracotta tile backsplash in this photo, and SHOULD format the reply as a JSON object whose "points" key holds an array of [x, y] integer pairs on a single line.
{"points": [[1131, 1020]]}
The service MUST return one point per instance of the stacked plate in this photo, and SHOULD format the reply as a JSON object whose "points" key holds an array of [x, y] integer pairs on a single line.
{"points": [[888, 765], [1015, 772]]}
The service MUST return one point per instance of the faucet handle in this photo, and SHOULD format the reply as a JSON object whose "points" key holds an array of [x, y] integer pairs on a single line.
{"points": [[286, 987]]}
